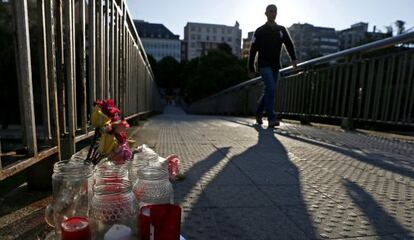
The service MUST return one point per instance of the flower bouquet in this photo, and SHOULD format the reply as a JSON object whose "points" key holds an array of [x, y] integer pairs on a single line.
{"points": [[110, 138]]}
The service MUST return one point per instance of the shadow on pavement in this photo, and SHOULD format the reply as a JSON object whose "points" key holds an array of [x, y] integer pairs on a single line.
{"points": [[255, 194], [383, 223]]}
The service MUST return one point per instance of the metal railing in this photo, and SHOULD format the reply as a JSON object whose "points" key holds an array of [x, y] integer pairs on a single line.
{"points": [[88, 50], [373, 82]]}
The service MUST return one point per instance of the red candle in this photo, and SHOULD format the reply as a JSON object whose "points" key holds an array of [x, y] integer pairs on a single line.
{"points": [[76, 228]]}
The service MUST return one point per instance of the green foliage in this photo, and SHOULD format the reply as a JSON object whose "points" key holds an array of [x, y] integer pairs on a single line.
{"points": [[203, 76], [167, 72], [209, 74]]}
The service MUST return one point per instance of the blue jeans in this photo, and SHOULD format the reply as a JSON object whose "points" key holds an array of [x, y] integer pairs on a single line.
{"points": [[267, 100]]}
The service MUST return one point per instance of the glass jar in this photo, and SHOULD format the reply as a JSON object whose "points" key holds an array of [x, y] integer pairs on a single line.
{"points": [[113, 211], [110, 173], [153, 186], [145, 156], [72, 183]]}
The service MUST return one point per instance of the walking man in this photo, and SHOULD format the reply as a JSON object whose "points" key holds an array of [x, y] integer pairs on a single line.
{"points": [[267, 41]]}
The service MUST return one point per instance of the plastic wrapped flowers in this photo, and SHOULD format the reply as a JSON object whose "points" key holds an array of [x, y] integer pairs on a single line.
{"points": [[110, 139]]}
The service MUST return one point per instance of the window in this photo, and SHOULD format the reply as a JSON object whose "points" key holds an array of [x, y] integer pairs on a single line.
{"points": [[207, 38]]}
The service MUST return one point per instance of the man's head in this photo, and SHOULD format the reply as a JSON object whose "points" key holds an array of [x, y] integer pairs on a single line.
{"points": [[271, 12]]}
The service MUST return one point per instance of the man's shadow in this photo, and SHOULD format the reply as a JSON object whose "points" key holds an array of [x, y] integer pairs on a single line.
{"points": [[253, 193]]}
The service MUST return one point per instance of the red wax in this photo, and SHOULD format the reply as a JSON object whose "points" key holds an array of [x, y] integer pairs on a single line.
{"points": [[76, 228], [165, 220]]}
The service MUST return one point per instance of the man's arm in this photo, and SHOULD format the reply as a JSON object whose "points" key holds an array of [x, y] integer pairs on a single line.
{"points": [[252, 56], [289, 47]]}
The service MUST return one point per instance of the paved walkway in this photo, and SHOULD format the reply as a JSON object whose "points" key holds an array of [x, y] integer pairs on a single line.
{"points": [[296, 182], [248, 182]]}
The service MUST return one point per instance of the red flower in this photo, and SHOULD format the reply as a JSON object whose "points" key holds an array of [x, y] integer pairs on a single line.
{"points": [[108, 108], [120, 127], [121, 137]]}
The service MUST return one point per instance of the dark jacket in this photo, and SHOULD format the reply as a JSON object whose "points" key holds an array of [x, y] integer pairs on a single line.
{"points": [[267, 40]]}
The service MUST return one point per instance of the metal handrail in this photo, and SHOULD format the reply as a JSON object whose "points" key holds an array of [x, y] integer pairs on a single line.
{"points": [[384, 43], [372, 46]]}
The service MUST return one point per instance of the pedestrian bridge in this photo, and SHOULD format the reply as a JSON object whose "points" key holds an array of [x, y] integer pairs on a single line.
{"points": [[244, 181], [302, 180]]}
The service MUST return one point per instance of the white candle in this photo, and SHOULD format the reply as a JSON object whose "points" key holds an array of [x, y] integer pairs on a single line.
{"points": [[118, 232]]}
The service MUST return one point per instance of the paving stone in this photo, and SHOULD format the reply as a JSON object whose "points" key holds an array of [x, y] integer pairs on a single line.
{"points": [[255, 223], [199, 223], [236, 196]]}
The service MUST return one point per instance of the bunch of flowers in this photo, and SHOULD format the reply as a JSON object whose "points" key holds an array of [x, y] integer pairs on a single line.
{"points": [[110, 139]]}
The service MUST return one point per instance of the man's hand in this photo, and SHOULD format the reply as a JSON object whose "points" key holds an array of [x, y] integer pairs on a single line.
{"points": [[294, 64], [252, 74]]}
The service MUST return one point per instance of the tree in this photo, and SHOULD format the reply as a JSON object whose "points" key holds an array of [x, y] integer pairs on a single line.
{"points": [[209, 74], [389, 29], [400, 26], [153, 63], [168, 73]]}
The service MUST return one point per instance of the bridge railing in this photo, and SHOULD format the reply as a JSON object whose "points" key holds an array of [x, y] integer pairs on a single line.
{"points": [[86, 50], [371, 83]]}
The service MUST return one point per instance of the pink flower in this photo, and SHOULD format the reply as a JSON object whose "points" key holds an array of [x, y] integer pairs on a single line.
{"points": [[173, 165], [121, 154]]}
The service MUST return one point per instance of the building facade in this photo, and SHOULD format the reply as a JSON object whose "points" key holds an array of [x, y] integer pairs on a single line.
{"points": [[247, 43], [158, 41], [357, 35], [201, 37], [311, 41]]}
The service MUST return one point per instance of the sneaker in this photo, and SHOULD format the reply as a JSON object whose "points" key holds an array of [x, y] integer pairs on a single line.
{"points": [[273, 123], [259, 120]]}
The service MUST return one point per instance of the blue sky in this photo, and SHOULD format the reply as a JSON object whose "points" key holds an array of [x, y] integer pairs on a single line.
{"points": [[340, 14]]}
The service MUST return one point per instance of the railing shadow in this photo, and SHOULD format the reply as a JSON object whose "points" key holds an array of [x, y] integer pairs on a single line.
{"points": [[255, 194], [389, 163], [383, 223]]}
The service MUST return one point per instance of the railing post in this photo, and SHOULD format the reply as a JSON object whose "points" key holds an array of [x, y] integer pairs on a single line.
{"points": [[43, 69], [92, 52], [82, 64], [51, 62], [69, 141], [25, 74], [1, 167]]}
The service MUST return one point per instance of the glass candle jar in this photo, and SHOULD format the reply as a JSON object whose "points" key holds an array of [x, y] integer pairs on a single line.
{"points": [[113, 211], [110, 173], [76, 228], [153, 186], [72, 190], [142, 158]]}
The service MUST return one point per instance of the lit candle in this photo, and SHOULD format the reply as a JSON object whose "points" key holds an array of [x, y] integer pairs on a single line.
{"points": [[76, 228]]}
